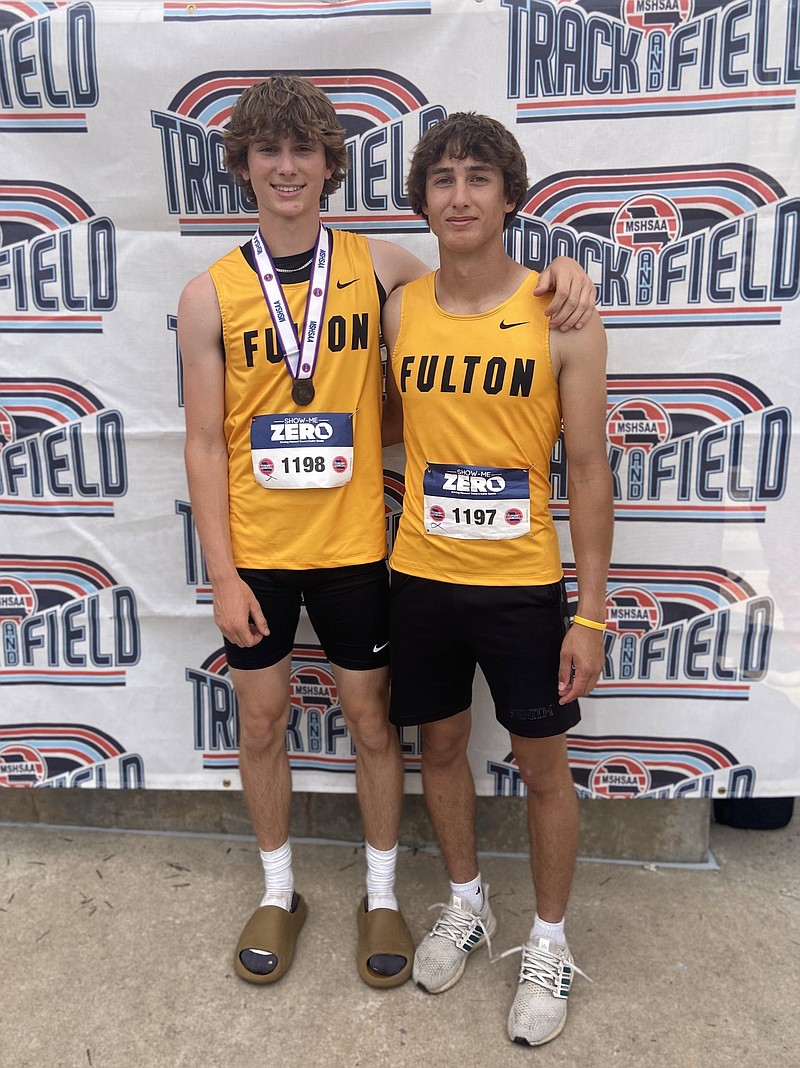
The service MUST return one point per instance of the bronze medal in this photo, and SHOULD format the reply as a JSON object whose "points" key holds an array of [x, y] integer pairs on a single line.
{"points": [[303, 391]]}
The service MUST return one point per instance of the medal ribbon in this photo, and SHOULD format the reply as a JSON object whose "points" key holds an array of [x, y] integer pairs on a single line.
{"points": [[300, 360]]}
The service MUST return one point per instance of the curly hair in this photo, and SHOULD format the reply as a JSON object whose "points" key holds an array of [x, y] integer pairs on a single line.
{"points": [[462, 134], [284, 106]]}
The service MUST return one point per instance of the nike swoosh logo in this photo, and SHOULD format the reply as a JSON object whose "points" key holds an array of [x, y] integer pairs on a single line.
{"points": [[377, 648], [510, 326], [344, 285]]}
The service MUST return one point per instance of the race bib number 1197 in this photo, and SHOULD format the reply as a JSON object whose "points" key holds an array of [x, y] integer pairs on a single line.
{"points": [[476, 502]]}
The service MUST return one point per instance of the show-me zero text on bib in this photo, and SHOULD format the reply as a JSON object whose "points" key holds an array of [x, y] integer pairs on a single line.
{"points": [[292, 451], [476, 502]]}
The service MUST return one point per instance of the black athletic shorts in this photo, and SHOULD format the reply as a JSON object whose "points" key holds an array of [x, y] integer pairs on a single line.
{"points": [[347, 606], [440, 630]]}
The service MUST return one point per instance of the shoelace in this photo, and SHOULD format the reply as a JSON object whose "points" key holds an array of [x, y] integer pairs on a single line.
{"points": [[540, 967], [456, 924]]}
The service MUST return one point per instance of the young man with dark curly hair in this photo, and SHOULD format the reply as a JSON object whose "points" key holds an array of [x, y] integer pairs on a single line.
{"points": [[478, 389], [283, 392]]}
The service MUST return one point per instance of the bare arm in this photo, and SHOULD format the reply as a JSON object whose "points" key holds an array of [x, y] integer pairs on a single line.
{"points": [[580, 359], [236, 610], [392, 424], [574, 294], [395, 265]]}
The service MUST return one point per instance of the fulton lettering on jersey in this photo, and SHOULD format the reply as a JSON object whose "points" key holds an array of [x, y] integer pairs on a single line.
{"points": [[467, 374]]}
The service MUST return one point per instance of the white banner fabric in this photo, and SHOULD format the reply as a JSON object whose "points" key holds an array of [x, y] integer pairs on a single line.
{"points": [[662, 145]]}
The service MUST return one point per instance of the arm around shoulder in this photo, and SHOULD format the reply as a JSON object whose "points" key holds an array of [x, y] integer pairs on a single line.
{"points": [[574, 294], [395, 265]]}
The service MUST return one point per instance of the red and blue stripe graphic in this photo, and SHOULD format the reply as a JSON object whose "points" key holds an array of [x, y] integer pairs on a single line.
{"points": [[37, 404], [65, 632], [655, 106], [362, 96], [637, 38], [694, 405], [29, 408], [594, 207], [58, 580], [237, 10], [697, 401], [648, 638], [631, 766], [31, 210], [685, 756]]}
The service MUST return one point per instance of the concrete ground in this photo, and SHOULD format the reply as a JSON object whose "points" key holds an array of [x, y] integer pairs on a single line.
{"points": [[116, 953]]}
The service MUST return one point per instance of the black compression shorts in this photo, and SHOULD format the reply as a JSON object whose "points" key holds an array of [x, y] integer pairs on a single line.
{"points": [[440, 631], [347, 607]]}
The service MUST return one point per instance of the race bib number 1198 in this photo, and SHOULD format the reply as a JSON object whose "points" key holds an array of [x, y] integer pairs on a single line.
{"points": [[313, 451]]}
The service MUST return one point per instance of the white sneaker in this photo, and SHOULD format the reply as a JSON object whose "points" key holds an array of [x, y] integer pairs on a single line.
{"points": [[539, 1011], [440, 958]]}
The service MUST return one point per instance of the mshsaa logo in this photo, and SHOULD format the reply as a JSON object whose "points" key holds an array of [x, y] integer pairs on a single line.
{"points": [[640, 423], [618, 777], [682, 632], [65, 621], [66, 755], [316, 736], [714, 244], [646, 222], [627, 767], [700, 448]]}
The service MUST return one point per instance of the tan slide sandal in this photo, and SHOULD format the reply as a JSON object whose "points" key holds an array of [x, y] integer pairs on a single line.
{"points": [[385, 954], [266, 946]]}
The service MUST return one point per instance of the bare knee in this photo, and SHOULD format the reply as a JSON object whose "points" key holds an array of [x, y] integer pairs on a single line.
{"points": [[444, 743], [262, 706], [372, 734], [262, 729], [549, 785], [544, 768]]}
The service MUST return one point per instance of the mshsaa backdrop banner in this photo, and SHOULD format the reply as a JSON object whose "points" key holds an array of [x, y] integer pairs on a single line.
{"points": [[661, 138]]}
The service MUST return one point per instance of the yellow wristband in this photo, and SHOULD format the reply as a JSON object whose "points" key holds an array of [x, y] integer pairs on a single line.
{"points": [[591, 623]]}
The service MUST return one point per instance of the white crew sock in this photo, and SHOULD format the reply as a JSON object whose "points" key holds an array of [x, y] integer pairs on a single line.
{"points": [[554, 931], [471, 893], [278, 876], [381, 872]]}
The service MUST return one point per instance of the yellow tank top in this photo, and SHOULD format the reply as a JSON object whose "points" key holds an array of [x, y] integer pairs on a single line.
{"points": [[480, 401], [304, 528]]}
